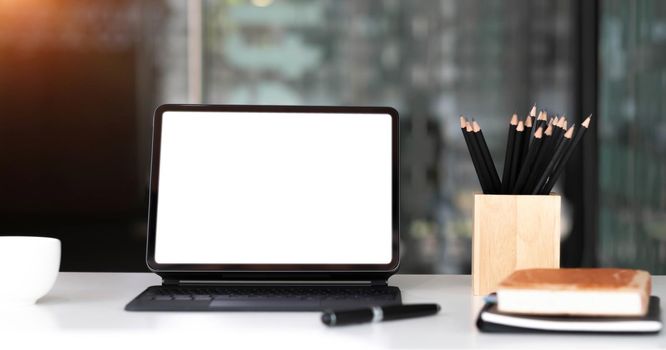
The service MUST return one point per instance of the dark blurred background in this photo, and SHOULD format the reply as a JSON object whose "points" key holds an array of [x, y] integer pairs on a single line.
{"points": [[79, 81]]}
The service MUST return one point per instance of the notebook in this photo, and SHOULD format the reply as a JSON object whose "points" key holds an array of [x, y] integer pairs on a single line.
{"points": [[492, 321], [575, 291]]}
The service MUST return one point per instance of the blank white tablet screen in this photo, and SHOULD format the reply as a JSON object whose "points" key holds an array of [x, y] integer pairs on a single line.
{"points": [[274, 188]]}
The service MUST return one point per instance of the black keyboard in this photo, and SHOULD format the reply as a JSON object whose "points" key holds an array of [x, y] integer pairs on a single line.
{"points": [[262, 298]]}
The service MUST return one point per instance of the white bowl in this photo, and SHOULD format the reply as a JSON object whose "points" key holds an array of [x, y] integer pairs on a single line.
{"points": [[28, 268]]}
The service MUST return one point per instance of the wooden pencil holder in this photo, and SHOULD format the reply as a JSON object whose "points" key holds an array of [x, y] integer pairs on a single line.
{"points": [[513, 232]]}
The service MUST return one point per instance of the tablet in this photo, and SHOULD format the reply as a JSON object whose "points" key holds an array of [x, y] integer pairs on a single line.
{"points": [[294, 189]]}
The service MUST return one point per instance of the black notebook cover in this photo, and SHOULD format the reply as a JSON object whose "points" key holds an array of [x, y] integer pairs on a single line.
{"points": [[654, 315]]}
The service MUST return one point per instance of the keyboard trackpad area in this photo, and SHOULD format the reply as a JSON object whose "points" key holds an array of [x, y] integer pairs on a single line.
{"points": [[265, 304]]}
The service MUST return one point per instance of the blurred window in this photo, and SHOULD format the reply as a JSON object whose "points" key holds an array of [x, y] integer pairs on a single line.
{"points": [[79, 81], [632, 134]]}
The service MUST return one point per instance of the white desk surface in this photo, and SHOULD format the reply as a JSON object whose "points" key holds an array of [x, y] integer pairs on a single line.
{"points": [[85, 310]]}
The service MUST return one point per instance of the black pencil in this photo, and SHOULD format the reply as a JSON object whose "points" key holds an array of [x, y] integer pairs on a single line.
{"points": [[517, 147], [562, 164], [550, 122], [526, 142], [564, 123], [475, 158], [555, 121], [547, 146], [485, 173], [556, 128], [529, 161], [559, 131], [541, 120], [508, 154], [487, 158], [559, 152], [532, 116], [548, 149]]}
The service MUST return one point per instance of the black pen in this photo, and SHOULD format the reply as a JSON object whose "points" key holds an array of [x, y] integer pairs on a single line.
{"points": [[378, 314]]}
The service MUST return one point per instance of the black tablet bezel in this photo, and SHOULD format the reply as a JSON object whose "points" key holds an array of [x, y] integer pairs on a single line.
{"points": [[240, 271]]}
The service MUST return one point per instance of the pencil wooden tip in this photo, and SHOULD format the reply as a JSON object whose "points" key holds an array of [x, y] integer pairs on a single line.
{"points": [[566, 123], [569, 132], [462, 122], [475, 126], [528, 122], [586, 122], [514, 119], [533, 111], [549, 130], [539, 133], [560, 123], [543, 115], [520, 126], [468, 127], [556, 120]]}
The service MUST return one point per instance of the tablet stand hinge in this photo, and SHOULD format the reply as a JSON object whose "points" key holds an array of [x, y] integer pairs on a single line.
{"points": [[379, 283], [170, 282]]}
